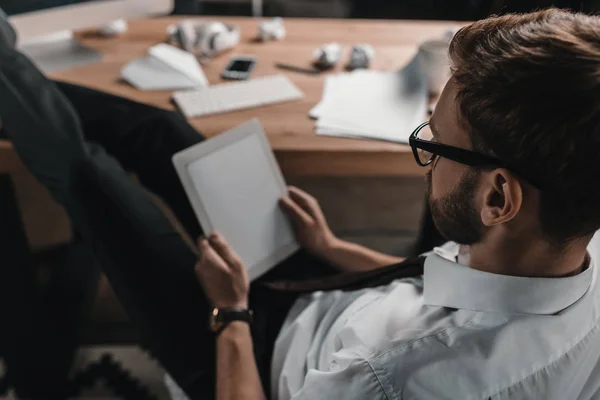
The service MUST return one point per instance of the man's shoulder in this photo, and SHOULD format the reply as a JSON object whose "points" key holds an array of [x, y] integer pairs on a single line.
{"points": [[433, 330], [473, 355], [396, 348]]}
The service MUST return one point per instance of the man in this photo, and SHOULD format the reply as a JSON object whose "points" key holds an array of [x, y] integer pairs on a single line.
{"points": [[515, 314], [512, 314]]}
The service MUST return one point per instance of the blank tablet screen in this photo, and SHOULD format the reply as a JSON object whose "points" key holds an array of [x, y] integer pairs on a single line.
{"points": [[240, 194]]}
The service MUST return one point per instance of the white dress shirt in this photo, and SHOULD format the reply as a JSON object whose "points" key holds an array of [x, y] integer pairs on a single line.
{"points": [[454, 333]]}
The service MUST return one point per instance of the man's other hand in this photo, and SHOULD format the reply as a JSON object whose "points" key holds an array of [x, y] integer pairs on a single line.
{"points": [[312, 230], [222, 273]]}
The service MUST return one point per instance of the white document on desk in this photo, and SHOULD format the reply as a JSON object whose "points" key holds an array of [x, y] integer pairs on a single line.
{"points": [[330, 87], [180, 60], [165, 68], [373, 104], [151, 74], [332, 127]]}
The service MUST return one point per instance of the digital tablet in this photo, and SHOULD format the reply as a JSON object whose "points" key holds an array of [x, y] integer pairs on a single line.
{"points": [[234, 185]]}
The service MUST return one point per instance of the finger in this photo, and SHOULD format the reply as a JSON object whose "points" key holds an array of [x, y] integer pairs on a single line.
{"points": [[295, 212], [303, 199], [225, 251], [210, 259], [200, 242], [202, 245]]}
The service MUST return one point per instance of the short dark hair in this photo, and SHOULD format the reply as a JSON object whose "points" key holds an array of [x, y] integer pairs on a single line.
{"points": [[529, 94]]}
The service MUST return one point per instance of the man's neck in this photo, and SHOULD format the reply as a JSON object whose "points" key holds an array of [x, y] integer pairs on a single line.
{"points": [[533, 258]]}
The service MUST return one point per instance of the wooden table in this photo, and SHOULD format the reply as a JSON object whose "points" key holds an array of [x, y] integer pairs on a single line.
{"points": [[291, 133]]}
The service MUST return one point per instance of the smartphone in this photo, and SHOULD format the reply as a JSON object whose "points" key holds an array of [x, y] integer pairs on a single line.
{"points": [[239, 67]]}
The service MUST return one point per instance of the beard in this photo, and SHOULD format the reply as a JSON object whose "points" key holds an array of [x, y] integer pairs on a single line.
{"points": [[455, 215]]}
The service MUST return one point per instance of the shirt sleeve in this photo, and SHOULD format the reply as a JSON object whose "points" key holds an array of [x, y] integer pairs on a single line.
{"points": [[350, 377]]}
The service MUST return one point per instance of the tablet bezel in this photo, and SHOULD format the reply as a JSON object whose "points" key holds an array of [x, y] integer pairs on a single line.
{"points": [[182, 159]]}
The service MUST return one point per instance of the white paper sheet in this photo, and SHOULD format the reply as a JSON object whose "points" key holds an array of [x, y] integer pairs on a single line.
{"points": [[330, 88], [373, 104], [329, 124], [149, 73], [165, 68], [180, 60]]}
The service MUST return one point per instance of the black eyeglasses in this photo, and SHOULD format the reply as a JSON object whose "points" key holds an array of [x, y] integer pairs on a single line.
{"points": [[425, 150]]}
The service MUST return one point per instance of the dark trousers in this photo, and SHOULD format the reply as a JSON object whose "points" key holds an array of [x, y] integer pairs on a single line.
{"points": [[78, 143]]}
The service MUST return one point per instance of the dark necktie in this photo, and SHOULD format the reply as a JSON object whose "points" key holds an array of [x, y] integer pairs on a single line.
{"points": [[411, 267]]}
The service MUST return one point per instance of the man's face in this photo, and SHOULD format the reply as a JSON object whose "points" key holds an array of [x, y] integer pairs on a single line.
{"points": [[452, 186]]}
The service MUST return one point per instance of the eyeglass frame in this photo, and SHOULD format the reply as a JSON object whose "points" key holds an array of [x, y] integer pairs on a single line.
{"points": [[463, 156]]}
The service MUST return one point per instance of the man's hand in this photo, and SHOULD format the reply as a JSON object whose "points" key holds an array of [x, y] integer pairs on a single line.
{"points": [[312, 230], [313, 233], [222, 274], [226, 285]]}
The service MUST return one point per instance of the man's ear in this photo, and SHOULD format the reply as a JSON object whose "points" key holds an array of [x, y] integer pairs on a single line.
{"points": [[502, 197]]}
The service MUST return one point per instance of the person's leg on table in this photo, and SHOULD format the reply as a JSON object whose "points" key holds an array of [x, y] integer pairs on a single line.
{"points": [[149, 265], [142, 138]]}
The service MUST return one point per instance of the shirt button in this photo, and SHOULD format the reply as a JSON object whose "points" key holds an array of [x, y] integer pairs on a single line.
{"points": [[334, 366]]}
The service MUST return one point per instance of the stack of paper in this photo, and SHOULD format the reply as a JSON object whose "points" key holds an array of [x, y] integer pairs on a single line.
{"points": [[373, 104]]}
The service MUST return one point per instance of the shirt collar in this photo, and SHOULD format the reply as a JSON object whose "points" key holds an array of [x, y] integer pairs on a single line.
{"points": [[450, 284]]}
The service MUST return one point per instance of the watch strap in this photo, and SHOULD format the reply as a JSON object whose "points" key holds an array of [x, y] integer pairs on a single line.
{"points": [[226, 316]]}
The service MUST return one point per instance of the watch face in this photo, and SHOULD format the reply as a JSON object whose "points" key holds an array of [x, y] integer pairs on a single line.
{"points": [[214, 323], [218, 318]]}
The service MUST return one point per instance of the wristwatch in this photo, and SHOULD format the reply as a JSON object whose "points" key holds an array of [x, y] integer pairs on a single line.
{"points": [[220, 318]]}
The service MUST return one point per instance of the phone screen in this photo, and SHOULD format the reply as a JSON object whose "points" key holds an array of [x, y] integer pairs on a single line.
{"points": [[241, 65]]}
